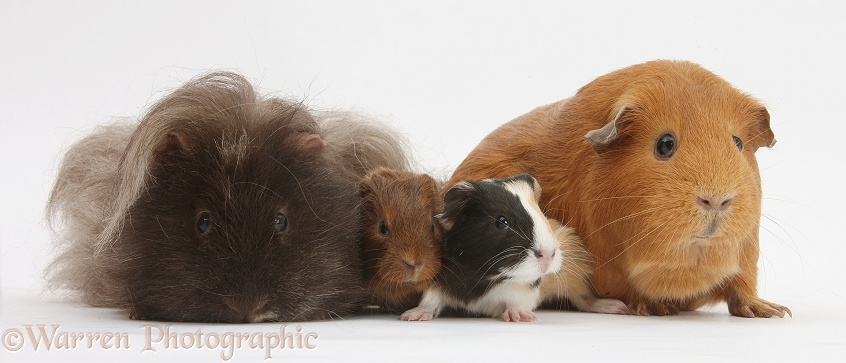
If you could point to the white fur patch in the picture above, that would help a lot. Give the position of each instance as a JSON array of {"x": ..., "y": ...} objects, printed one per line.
[{"x": 530, "y": 269}]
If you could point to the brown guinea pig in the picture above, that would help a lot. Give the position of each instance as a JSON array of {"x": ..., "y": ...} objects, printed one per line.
[
  {"x": 401, "y": 240},
  {"x": 219, "y": 205},
  {"x": 654, "y": 166}
]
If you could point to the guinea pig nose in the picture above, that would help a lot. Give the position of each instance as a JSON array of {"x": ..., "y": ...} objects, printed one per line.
[
  {"x": 709, "y": 203},
  {"x": 411, "y": 265},
  {"x": 542, "y": 254},
  {"x": 245, "y": 312}
]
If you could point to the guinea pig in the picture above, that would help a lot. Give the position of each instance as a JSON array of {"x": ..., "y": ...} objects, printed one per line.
[
  {"x": 400, "y": 238},
  {"x": 654, "y": 166},
  {"x": 220, "y": 205},
  {"x": 497, "y": 246}
]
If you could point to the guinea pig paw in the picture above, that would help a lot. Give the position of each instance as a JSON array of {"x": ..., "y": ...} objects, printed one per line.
[
  {"x": 758, "y": 308},
  {"x": 609, "y": 306},
  {"x": 647, "y": 308},
  {"x": 418, "y": 314},
  {"x": 516, "y": 315}
]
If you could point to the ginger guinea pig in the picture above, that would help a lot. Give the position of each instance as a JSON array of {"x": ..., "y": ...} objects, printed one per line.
[
  {"x": 400, "y": 238},
  {"x": 654, "y": 166},
  {"x": 218, "y": 206}
]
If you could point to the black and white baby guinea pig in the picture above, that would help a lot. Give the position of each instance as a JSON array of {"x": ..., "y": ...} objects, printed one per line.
[{"x": 497, "y": 246}]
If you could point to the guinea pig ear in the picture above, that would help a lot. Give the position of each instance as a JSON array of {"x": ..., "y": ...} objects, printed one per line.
[
  {"x": 604, "y": 136},
  {"x": 307, "y": 144},
  {"x": 531, "y": 181},
  {"x": 175, "y": 142},
  {"x": 762, "y": 135},
  {"x": 455, "y": 200}
]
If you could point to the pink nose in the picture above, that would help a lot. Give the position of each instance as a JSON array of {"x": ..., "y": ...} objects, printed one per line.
[{"x": 709, "y": 203}]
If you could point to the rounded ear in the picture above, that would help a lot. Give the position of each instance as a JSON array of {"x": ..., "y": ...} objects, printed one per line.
[
  {"x": 175, "y": 142},
  {"x": 373, "y": 179},
  {"x": 455, "y": 200},
  {"x": 602, "y": 138},
  {"x": 307, "y": 144},
  {"x": 761, "y": 133},
  {"x": 528, "y": 179}
]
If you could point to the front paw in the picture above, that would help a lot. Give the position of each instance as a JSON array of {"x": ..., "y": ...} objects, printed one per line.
[
  {"x": 756, "y": 307},
  {"x": 516, "y": 315},
  {"x": 647, "y": 308},
  {"x": 418, "y": 314}
]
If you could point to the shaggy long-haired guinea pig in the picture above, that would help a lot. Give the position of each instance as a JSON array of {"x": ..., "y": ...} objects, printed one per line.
[
  {"x": 218, "y": 206},
  {"x": 497, "y": 246},
  {"x": 401, "y": 240},
  {"x": 654, "y": 166}
]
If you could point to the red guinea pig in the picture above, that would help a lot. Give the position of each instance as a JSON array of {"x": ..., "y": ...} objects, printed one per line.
[{"x": 654, "y": 166}]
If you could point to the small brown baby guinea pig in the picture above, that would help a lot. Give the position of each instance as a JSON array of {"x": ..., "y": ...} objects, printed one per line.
[
  {"x": 220, "y": 205},
  {"x": 654, "y": 166},
  {"x": 401, "y": 240}
]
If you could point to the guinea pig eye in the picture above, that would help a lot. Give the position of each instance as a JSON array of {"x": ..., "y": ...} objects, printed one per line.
[
  {"x": 204, "y": 223},
  {"x": 665, "y": 147},
  {"x": 501, "y": 223},
  {"x": 738, "y": 142},
  {"x": 383, "y": 229},
  {"x": 280, "y": 222}
]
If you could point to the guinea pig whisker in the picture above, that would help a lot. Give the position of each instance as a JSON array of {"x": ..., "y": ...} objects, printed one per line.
[
  {"x": 615, "y": 198},
  {"x": 644, "y": 235},
  {"x": 444, "y": 267},
  {"x": 499, "y": 257},
  {"x": 491, "y": 281},
  {"x": 518, "y": 232},
  {"x": 630, "y": 216},
  {"x": 161, "y": 227},
  {"x": 778, "y": 223}
]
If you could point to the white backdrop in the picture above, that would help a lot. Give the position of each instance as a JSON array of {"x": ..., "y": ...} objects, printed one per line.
[{"x": 445, "y": 73}]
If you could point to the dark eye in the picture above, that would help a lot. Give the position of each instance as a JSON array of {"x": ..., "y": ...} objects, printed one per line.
[
  {"x": 204, "y": 223},
  {"x": 383, "y": 229},
  {"x": 501, "y": 223},
  {"x": 738, "y": 142},
  {"x": 280, "y": 222},
  {"x": 665, "y": 147}
]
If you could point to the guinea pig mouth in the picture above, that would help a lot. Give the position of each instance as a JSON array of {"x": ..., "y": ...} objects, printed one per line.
[{"x": 710, "y": 230}]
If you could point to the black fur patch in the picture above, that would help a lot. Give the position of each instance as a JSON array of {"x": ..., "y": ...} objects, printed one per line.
[{"x": 475, "y": 250}]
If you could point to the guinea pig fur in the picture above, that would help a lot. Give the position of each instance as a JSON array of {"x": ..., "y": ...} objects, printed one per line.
[
  {"x": 218, "y": 206},
  {"x": 497, "y": 246},
  {"x": 362, "y": 144},
  {"x": 654, "y": 166},
  {"x": 401, "y": 240},
  {"x": 571, "y": 286}
]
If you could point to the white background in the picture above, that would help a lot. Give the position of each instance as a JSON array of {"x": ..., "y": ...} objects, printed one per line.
[{"x": 445, "y": 74}]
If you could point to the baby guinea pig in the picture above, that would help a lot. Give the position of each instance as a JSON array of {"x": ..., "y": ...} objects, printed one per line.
[
  {"x": 400, "y": 238},
  {"x": 497, "y": 246},
  {"x": 218, "y": 206},
  {"x": 654, "y": 166}
]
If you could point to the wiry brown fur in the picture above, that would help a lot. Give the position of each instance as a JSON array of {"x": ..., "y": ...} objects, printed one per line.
[
  {"x": 401, "y": 265},
  {"x": 639, "y": 215},
  {"x": 128, "y": 200}
]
